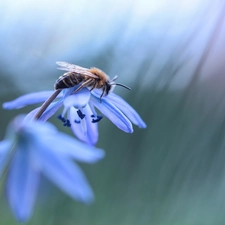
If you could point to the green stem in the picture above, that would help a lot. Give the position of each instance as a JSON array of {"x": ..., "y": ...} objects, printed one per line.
[{"x": 8, "y": 161}]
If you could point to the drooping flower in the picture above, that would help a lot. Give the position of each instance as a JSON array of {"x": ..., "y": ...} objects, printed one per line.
[
  {"x": 79, "y": 111},
  {"x": 32, "y": 148}
]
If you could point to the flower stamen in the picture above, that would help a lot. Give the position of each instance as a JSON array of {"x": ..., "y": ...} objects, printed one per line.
[
  {"x": 80, "y": 114},
  {"x": 65, "y": 121},
  {"x": 98, "y": 118},
  {"x": 61, "y": 118}
]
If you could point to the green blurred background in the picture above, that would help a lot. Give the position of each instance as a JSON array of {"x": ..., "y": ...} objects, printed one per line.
[{"x": 172, "y": 55}]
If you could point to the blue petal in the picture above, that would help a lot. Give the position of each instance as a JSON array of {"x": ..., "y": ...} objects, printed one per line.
[
  {"x": 91, "y": 136},
  {"x": 51, "y": 110},
  {"x": 28, "y": 99},
  {"x": 126, "y": 109},
  {"x": 78, "y": 100},
  {"x": 113, "y": 113},
  {"x": 30, "y": 116},
  {"x": 68, "y": 91},
  {"x": 66, "y": 175},
  {"x": 4, "y": 155},
  {"x": 4, "y": 147},
  {"x": 22, "y": 185},
  {"x": 67, "y": 147},
  {"x": 36, "y": 129},
  {"x": 32, "y": 129}
]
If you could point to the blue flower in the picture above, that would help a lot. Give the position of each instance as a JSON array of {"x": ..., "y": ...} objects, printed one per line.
[
  {"x": 34, "y": 148},
  {"x": 79, "y": 111}
]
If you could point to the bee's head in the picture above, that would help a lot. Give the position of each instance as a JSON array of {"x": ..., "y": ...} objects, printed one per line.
[{"x": 108, "y": 87}]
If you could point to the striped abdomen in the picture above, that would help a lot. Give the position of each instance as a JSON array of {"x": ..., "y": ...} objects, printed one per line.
[{"x": 69, "y": 79}]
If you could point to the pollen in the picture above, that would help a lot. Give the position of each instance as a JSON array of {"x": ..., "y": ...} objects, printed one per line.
[
  {"x": 80, "y": 114},
  {"x": 98, "y": 118},
  {"x": 65, "y": 121}
]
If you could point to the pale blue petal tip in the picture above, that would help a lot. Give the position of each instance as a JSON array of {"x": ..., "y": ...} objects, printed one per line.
[
  {"x": 143, "y": 125},
  {"x": 113, "y": 113},
  {"x": 10, "y": 105},
  {"x": 128, "y": 110},
  {"x": 27, "y": 99}
]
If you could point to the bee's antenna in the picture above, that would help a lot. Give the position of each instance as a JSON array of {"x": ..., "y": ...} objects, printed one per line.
[
  {"x": 118, "y": 84},
  {"x": 114, "y": 78},
  {"x": 122, "y": 85}
]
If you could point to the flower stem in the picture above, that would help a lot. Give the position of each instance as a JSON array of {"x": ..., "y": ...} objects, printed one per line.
[
  {"x": 46, "y": 104},
  {"x": 7, "y": 162}
]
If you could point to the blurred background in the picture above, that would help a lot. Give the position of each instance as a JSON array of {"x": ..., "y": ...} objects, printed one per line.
[{"x": 172, "y": 55}]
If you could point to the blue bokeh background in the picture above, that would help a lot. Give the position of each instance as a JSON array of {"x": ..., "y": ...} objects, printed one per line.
[{"x": 171, "y": 53}]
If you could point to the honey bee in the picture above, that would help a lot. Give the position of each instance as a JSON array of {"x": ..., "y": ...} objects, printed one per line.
[{"x": 92, "y": 78}]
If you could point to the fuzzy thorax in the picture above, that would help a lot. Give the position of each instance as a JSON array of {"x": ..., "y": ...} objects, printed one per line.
[{"x": 103, "y": 78}]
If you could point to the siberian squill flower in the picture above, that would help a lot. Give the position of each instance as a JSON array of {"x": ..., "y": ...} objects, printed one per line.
[
  {"x": 79, "y": 110},
  {"x": 34, "y": 148}
]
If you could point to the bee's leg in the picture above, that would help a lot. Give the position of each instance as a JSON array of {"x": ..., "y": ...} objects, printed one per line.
[
  {"x": 94, "y": 85},
  {"x": 86, "y": 83},
  {"x": 103, "y": 91}
]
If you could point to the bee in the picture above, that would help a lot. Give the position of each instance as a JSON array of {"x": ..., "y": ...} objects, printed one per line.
[{"x": 92, "y": 78}]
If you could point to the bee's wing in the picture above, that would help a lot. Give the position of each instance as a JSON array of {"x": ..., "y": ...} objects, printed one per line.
[
  {"x": 74, "y": 68},
  {"x": 69, "y": 67}
]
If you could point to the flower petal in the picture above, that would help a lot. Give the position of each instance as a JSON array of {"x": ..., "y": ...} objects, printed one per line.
[
  {"x": 113, "y": 113},
  {"x": 28, "y": 99},
  {"x": 67, "y": 147},
  {"x": 4, "y": 147},
  {"x": 32, "y": 129},
  {"x": 51, "y": 110},
  {"x": 61, "y": 143},
  {"x": 66, "y": 175},
  {"x": 22, "y": 185},
  {"x": 4, "y": 155},
  {"x": 126, "y": 109},
  {"x": 30, "y": 116},
  {"x": 78, "y": 100},
  {"x": 91, "y": 136}
]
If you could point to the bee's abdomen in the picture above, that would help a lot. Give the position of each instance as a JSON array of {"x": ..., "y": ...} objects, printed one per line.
[{"x": 68, "y": 80}]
